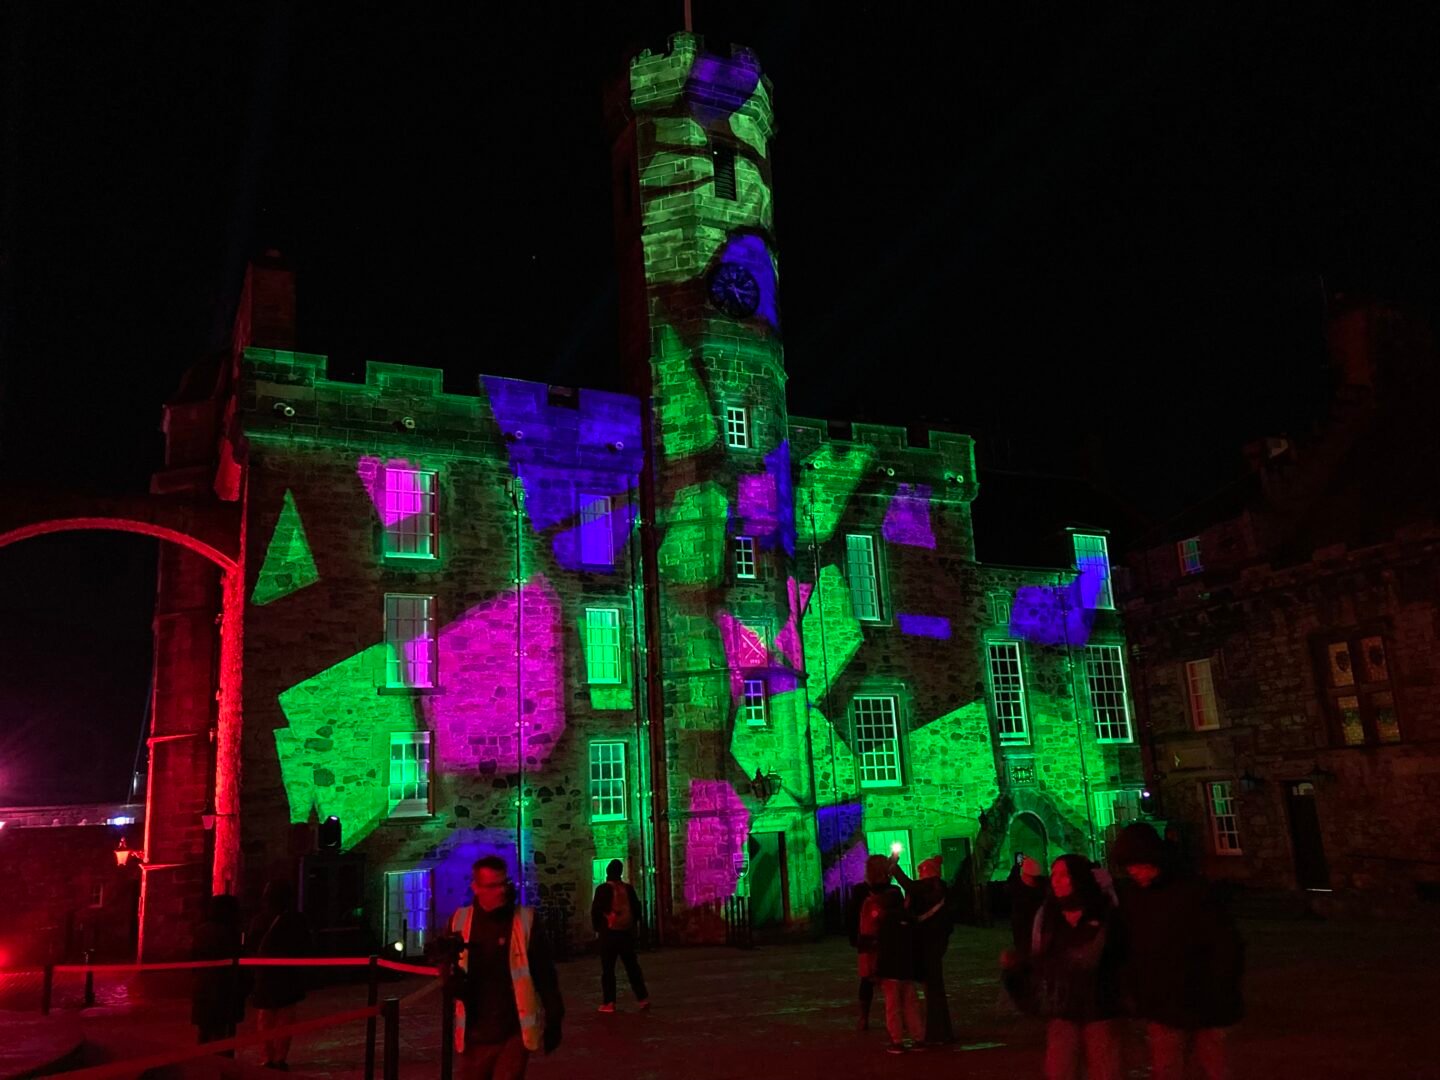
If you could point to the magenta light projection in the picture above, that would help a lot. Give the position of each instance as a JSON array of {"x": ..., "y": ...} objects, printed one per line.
[
  {"x": 371, "y": 471},
  {"x": 474, "y": 719},
  {"x": 931, "y": 626},
  {"x": 766, "y": 500},
  {"x": 907, "y": 518},
  {"x": 744, "y": 651},
  {"x": 715, "y": 838},
  {"x": 787, "y": 641},
  {"x": 1056, "y": 614}
]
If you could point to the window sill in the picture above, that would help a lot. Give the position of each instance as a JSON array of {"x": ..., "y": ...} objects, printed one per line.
[
  {"x": 409, "y": 817},
  {"x": 608, "y": 820},
  {"x": 409, "y": 691},
  {"x": 1014, "y": 744},
  {"x": 395, "y": 557}
]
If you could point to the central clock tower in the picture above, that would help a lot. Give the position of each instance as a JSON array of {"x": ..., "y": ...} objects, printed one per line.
[{"x": 701, "y": 341}]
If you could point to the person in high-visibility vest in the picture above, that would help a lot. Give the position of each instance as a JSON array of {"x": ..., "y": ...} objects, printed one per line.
[{"x": 508, "y": 1002}]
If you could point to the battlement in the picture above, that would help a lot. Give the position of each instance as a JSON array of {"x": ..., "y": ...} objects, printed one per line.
[
  {"x": 947, "y": 462},
  {"x": 709, "y": 82}
]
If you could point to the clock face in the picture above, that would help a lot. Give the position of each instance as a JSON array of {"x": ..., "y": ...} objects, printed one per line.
[{"x": 733, "y": 290}]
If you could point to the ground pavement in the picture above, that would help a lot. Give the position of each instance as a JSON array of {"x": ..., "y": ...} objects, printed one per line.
[{"x": 1325, "y": 999}]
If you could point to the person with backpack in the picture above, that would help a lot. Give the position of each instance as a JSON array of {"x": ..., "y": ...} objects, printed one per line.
[{"x": 615, "y": 913}]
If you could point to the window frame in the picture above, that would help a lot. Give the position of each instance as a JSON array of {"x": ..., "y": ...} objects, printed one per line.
[
  {"x": 427, "y": 875},
  {"x": 1362, "y": 691},
  {"x": 1008, "y": 738},
  {"x": 1217, "y": 820},
  {"x": 592, "y": 651},
  {"x": 1105, "y": 601},
  {"x": 618, "y": 781},
  {"x": 397, "y": 665},
  {"x": 751, "y": 714},
  {"x": 1187, "y": 551},
  {"x": 1196, "y": 699},
  {"x": 393, "y": 537},
  {"x": 745, "y": 551},
  {"x": 737, "y": 426},
  {"x": 1093, "y": 652},
  {"x": 415, "y": 806},
  {"x": 585, "y": 512},
  {"x": 882, "y": 782},
  {"x": 723, "y": 164},
  {"x": 874, "y": 566}
]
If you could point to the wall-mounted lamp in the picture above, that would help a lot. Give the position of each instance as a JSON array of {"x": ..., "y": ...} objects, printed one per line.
[
  {"x": 515, "y": 436},
  {"x": 763, "y": 787},
  {"x": 284, "y": 408},
  {"x": 123, "y": 854},
  {"x": 405, "y": 423}
]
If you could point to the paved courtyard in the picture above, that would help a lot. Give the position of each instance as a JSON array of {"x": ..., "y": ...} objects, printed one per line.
[{"x": 1326, "y": 1000}]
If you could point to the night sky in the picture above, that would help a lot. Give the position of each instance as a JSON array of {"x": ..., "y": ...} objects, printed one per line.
[{"x": 1095, "y": 241}]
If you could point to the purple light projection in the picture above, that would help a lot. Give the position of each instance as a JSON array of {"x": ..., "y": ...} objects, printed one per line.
[
  {"x": 907, "y": 518},
  {"x": 714, "y": 841},
  {"x": 931, "y": 626},
  {"x": 1056, "y": 614},
  {"x": 572, "y": 545},
  {"x": 457, "y": 853},
  {"x": 766, "y": 502},
  {"x": 474, "y": 720},
  {"x": 371, "y": 471},
  {"x": 749, "y": 251},
  {"x": 788, "y": 640},
  {"x": 718, "y": 85},
  {"x": 842, "y": 845},
  {"x": 777, "y": 464}
]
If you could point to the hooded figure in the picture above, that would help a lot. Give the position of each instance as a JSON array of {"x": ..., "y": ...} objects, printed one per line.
[{"x": 863, "y": 918}]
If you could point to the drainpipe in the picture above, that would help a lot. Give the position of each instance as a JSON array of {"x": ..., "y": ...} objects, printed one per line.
[{"x": 517, "y": 499}]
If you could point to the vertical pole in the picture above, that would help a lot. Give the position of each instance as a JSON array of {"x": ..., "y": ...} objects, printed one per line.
[
  {"x": 47, "y": 986},
  {"x": 447, "y": 1034},
  {"x": 89, "y": 979},
  {"x": 391, "y": 1012},
  {"x": 372, "y": 994}
]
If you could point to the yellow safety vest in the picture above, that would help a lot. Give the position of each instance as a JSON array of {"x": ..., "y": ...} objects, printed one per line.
[{"x": 527, "y": 1001}]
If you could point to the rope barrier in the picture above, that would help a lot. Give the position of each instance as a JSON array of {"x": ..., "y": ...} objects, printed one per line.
[
  {"x": 245, "y": 961},
  {"x": 136, "y": 1066}
]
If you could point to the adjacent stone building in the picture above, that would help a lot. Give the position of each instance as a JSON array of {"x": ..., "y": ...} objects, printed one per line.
[{"x": 1284, "y": 644}]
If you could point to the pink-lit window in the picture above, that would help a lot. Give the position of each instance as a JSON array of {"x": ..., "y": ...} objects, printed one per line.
[
  {"x": 1224, "y": 822},
  {"x": 1199, "y": 682},
  {"x": 410, "y": 636},
  {"x": 1188, "y": 552},
  {"x": 410, "y": 513}
]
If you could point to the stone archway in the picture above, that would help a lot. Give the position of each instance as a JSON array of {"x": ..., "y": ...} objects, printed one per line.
[
  {"x": 1026, "y": 834},
  {"x": 194, "y": 775}
]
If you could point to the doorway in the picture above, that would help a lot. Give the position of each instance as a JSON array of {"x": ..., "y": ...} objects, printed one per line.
[
  {"x": 1312, "y": 870},
  {"x": 769, "y": 880},
  {"x": 1025, "y": 837}
]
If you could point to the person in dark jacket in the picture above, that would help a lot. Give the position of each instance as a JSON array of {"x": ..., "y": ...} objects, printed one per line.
[
  {"x": 864, "y": 932},
  {"x": 1069, "y": 974},
  {"x": 217, "y": 1000},
  {"x": 890, "y": 922},
  {"x": 929, "y": 904},
  {"x": 1185, "y": 958},
  {"x": 615, "y": 913},
  {"x": 278, "y": 931},
  {"x": 1025, "y": 890}
]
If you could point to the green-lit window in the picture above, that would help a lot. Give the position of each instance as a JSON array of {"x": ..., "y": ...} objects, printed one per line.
[
  {"x": 877, "y": 741},
  {"x": 745, "y": 558},
  {"x": 1189, "y": 554},
  {"x": 864, "y": 574},
  {"x": 1224, "y": 821},
  {"x": 1093, "y": 553},
  {"x": 752, "y": 703},
  {"x": 607, "y": 781},
  {"x": 409, "y": 773},
  {"x": 410, "y": 513},
  {"x": 602, "y": 646},
  {"x": 737, "y": 427},
  {"x": 412, "y": 656},
  {"x": 1000, "y": 608},
  {"x": 1105, "y": 679},
  {"x": 1007, "y": 689},
  {"x": 723, "y": 158},
  {"x": 407, "y": 912}
]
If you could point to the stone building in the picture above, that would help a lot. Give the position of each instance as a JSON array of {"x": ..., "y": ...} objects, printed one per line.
[{"x": 1284, "y": 645}]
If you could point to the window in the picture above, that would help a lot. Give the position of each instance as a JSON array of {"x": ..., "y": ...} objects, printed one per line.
[
  {"x": 1204, "y": 713},
  {"x": 1105, "y": 679},
  {"x": 97, "y": 894},
  {"x": 409, "y": 513},
  {"x": 1007, "y": 687},
  {"x": 724, "y": 160},
  {"x": 410, "y": 634},
  {"x": 1118, "y": 808},
  {"x": 864, "y": 576},
  {"x": 1093, "y": 554},
  {"x": 602, "y": 646},
  {"x": 752, "y": 704},
  {"x": 409, "y": 773},
  {"x": 1189, "y": 553},
  {"x": 877, "y": 741},
  {"x": 1000, "y": 608},
  {"x": 407, "y": 911},
  {"x": 1357, "y": 685},
  {"x": 885, "y": 841},
  {"x": 745, "y": 558},
  {"x": 737, "y": 427},
  {"x": 1224, "y": 826},
  {"x": 607, "y": 781},
  {"x": 597, "y": 545}
]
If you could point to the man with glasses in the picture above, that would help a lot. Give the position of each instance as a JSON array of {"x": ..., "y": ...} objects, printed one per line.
[{"x": 508, "y": 1002}]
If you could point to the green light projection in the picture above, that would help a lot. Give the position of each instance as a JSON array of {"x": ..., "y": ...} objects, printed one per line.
[
  {"x": 827, "y": 480},
  {"x": 693, "y": 551},
  {"x": 685, "y": 417},
  {"x": 830, "y": 647},
  {"x": 289, "y": 565}
]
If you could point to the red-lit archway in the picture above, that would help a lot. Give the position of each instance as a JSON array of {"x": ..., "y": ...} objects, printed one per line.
[{"x": 181, "y": 753}]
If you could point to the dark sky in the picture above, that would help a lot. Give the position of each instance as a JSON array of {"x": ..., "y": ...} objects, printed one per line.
[{"x": 1096, "y": 236}]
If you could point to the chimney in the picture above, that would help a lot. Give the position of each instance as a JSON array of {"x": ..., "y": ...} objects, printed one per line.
[{"x": 266, "y": 318}]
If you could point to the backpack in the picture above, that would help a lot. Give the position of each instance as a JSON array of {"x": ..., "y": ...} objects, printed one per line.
[{"x": 621, "y": 915}]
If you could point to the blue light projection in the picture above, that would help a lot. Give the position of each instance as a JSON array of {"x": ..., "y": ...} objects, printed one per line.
[
  {"x": 1057, "y": 614},
  {"x": 750, "y": 251},
  {"x": 931, "y": 626},
  {"x": 842, "y": 844}
]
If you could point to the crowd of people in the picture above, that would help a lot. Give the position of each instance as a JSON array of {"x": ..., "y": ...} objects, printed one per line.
[{"x": 1086, "y": 952}]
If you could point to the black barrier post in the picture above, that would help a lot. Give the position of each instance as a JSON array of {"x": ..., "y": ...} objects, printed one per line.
[
  {"x": 447, "y": 1034},
  {"x": 47, "y": 985},
  {"x": 372, "y": 995},
  {"x": 391, "y": 1012},
  {"x": 89, "y": 979}
]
